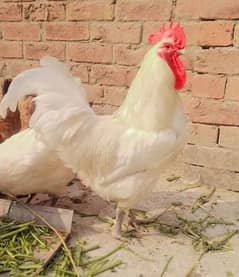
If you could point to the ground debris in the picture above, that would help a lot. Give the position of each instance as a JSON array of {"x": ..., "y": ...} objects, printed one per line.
[
  {"x": 166, "y": 266},
  {"x": 88, "y": 266},
  {"x": 188, "y": 187},
  {"x": 196, "y": 229},
  {"x": 20, "y": 241},
  {"x": 18, "y": 244},
  {"x": 203, "y": 199},
  {"x": 215, "y": 244},
  {"x": 173, "y": 178}
]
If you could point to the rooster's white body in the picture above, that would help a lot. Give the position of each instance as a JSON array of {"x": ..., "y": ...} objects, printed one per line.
[{"x": 119, "y": 156}]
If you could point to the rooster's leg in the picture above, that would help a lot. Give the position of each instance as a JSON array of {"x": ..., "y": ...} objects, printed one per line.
[{"x": 116, "y": 232}]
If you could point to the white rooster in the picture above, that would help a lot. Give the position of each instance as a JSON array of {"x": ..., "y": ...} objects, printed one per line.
[
  {"x": 119, "y": 156},
  {"x": 28, "y": 166}
]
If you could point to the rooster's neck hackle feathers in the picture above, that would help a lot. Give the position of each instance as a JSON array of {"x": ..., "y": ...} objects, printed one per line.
[{"x": 151, "y": 98}]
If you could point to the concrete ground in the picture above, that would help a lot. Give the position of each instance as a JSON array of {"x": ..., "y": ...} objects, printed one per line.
[{"x": 154, "y": 249}]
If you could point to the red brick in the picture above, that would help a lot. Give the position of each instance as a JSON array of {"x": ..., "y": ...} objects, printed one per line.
[
  {"x": 213, "y": 112},
  {"x": 191, "y": 29},
  {"x": 215, "y": 33},
  {"x": 221, "y": 178},
  {"x": 213, "y": 157},
  {"x": 3, "y": 69},
  {"x": 228, "y": 9},
  {"x": 232, "y": 88},
  {"x": 143, "y": 10},
  {"x": 112, "y": 75},
  {"x": 208, "y": 86},
  {"x": 17, "y": 66},
  {"x": 190, "y": 103},
  {"x": 10, "y": 12},
  {"x": 92, "y": 53},
  {"x": 129, "y": 55},
  {"x": 209, "y": 33},
  {"x": 26, "y": 108},
  {"x": 55, "y": 11},
  {"x": 20, "y": 1},
  {"x": 117, "y": 32},
  {"x": 217, "y": 61},
  {"x": 21, "y": 31},
  {"x": 189, "y": 56},
  {"x": 10, "y": 49},
  {"x": 219, "y": 9},
  {"x": 229, "y": 137},
  {"x": 104, "y": 109},
  {"x": 81, "y": 71},
  {"x": 95, "y": 93},
  {"x": 203, "y": 134},
  {"x": 66, "y": 31},
  {"x": 36, "y": 51},
  {"x": 10, "y": 125},
  {"x": 236, "y": 35},
  {"x": 187, "y": 9},
  {"x": 1, "y": 84},
  {"x": 90, "y": 10},
  {"x": 44, "y": 11},
  {"x": 114, "y": 95},
  {"x": 35, "y": 12}
]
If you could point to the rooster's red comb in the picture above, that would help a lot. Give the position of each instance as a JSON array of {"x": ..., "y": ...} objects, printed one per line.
[{"x": 176, "y": 32}]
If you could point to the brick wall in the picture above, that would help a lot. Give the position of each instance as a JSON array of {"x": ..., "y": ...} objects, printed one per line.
[{"x": 104, "y": 41}]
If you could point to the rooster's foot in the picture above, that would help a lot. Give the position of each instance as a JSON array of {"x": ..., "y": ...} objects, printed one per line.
[
  {"x": 116, "y": 232},
  {"x": 134, "y": 221}
]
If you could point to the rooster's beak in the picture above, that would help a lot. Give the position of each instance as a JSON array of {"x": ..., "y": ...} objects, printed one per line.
[{"x": 181, "y": 52}]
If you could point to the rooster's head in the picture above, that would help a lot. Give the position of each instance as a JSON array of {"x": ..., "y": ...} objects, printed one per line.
[{"x": 169, "y": 43}]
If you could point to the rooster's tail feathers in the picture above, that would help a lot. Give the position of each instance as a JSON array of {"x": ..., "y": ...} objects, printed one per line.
[
  {"x": 52, "y": 82},
  {"x": 54, "y": 64}
]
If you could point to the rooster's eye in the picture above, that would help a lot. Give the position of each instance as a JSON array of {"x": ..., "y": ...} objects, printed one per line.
[{"x": 167, "y": 46}]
